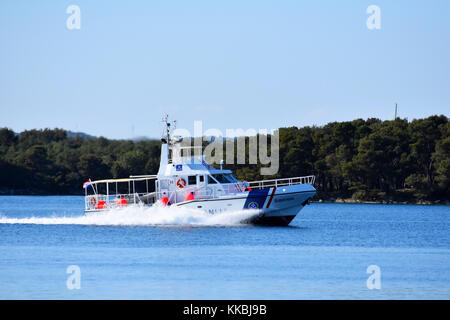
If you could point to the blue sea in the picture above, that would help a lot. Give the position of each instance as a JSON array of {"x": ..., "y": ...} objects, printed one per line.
[{"x": 170, "y": 253}]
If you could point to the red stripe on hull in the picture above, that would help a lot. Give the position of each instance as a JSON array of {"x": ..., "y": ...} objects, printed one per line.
[{"x": 271, "y": 196}]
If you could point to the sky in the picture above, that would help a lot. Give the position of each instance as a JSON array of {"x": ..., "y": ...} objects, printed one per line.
[{"x": 231, "y": 64}]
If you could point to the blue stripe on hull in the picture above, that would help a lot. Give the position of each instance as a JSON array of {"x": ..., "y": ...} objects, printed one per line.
[{"x": 256, "y": 199}]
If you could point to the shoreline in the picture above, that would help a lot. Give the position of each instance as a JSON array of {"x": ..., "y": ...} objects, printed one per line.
[
  {"x": 330, "y": 200},
  {"x": 353, "y": 201}
]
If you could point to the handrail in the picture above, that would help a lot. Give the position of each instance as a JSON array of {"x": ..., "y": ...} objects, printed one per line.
[
  {"x": 121, "y": 180},
  {"x": 282, "y": 182}
]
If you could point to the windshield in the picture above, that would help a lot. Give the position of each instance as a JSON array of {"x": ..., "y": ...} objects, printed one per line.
[
  {"x": 225, "y": 178},
  {"x": 231, "y": 178}
]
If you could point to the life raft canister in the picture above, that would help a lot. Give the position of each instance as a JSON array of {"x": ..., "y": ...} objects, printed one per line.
[
  {"x": 189, "y": 196},
  {"x": 121, "y": 202},
  {"x": 101, "y": 204},
  {"x": 181, "y": 183},
  {"x": 164, "y": 201}
]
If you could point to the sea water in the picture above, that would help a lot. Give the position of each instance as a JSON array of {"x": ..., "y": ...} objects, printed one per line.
[{"x": 329, "y": 251}]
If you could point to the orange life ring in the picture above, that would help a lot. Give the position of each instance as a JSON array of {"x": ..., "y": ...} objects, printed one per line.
[
  {"x": 93, "y": 202},
  {"x": 181, "y": 183}
]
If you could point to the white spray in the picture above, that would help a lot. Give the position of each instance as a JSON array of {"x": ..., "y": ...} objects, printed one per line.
[{"x": 143, "y": 216}]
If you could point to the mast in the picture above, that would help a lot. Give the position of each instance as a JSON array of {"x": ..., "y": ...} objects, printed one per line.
[
  {"x": 166, "y": 130},
  {"x": 168, "y": 127},
  {"x": 164, "y": 161},
  {"x": 167, "y": 143}
]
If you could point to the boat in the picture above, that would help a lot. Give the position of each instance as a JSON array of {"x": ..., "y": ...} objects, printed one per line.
[{"x": 189, "y": 181}]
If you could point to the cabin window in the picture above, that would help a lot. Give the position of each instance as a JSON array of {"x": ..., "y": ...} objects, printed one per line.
[
  {"x": 211, "y": 180},
  {"x": 220, "y": 178},
  {"x": 230, "y": 178},
  {"x": 202, "y": 178},
  {"x": 192, "y": 180}
]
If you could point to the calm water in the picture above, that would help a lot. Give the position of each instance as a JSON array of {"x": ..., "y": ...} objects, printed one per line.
[{"x": 174, "y": 254}]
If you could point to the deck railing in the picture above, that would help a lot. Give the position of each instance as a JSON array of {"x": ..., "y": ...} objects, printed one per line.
[
  {"x": 281, "y": 182},
  {"x": 108, "y": 201}
]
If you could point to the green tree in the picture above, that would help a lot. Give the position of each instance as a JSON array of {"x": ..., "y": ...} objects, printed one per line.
[
  {"x": 442, "y": 164},
  {"x": 424, "y": 135},
  {"x": 92, "y": 166}
]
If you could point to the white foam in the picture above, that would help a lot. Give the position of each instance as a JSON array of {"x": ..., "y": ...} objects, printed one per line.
[{"x": 143, "y": 216}]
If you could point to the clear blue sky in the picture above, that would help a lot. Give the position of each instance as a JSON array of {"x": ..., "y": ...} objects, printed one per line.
[{"x": 232, "y": 64}]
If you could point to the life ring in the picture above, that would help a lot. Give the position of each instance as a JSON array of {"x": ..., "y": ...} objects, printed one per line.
[
  {"x": 93, "y": 201},
  {"x": 181, "y": 183}
]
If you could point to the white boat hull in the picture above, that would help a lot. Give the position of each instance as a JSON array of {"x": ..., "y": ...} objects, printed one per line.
[{"x": 277, "y": 206}]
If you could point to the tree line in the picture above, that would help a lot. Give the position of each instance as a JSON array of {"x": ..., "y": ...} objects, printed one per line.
[{"x": 368, "y": 160}]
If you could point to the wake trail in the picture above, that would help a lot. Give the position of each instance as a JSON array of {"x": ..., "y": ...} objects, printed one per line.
[{"x": 143, "y": 216}]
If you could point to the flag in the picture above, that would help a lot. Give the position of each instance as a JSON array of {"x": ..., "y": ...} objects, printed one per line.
[{"x": 87, "y": 183}]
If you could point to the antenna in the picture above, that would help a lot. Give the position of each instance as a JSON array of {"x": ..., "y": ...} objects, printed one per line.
[
  {"x": 395, "y": 118},
  {"x": 166, "y": 131},
  {"x": 169, "y": 127}
]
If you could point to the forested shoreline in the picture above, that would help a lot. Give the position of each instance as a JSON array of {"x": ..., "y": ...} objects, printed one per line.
[{"x": 361, "y": 160}]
